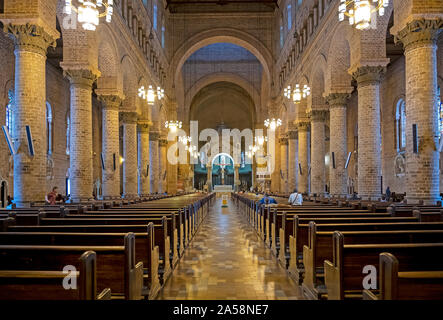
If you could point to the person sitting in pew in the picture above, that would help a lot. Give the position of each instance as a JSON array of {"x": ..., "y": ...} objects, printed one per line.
[
  {"x": 295, "y": 199},
  {"x": 52, "y": 196},
  {"x": 267, "y": 200}
]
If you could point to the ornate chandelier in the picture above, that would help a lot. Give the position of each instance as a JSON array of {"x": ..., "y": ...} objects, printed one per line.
[
  {"x": 272, "y": 124},
  {"x": 173, "y": 125},
  {"x": 149, "y": 95},
  {"x": 297, "y": 94},
  {"x": 89, "y": 12},
  {"x": 359, "y": 12},
  {"x": 260, "y": 140},
  {"x": 185, "y": 140}
]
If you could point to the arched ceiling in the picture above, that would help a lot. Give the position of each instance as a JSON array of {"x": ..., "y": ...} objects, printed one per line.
[{"x": 222, "y": 102}]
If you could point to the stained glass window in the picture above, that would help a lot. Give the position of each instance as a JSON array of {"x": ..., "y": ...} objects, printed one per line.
[
  {"x": 9, "y": 106},
  {"x": 401, "y": 125},
  {"x": 49, "y": 131},
  {"x": 440, "y": 112}
]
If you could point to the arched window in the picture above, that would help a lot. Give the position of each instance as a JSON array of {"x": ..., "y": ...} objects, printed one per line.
[
  {"x": 49, "y": 128},
  {"x": 289, "y": 13},
  {"x": 154, "y": 15},
  {"x": 9, "y": 106},
  {"x": 242, "y": 159},
  {"x": 163, "y": 32},
  {"x": 68, "y": 134},
  {"x": 400, "y": 121},
  {"x": 282, "y": 33}
]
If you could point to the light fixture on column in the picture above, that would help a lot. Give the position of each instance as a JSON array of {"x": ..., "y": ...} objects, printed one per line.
[
  {"x": 173, "y": 125},
  {"x": 149, "y": 95},
  {"x": 89, "y": 12},
  {"x": 359, "y": 12},
  {"x": 273, "y": 123},
  {"x": 306, "y": 91},
  {"x": 296, "y": 95},
  {"x": 288, "y": 92}
]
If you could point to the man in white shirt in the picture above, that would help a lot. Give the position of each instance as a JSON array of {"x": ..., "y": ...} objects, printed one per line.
[{"x": 295, "y": 199}]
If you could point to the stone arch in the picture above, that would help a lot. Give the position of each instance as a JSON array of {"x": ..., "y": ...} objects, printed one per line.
[
  {"x": 212, "y": 158},
  {"x": 317, "y": 82},
  {"x": 217, "y": 35},
  {"x": 108, "y": 65},
  {"x": 338, "y": 78},
  {"x": 130, "y": 80},
  {"x": 221, "y": 77}
]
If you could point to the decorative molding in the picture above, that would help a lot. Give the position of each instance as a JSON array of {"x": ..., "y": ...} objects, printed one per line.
[
  {"x": 80, "y": 77},
  {"x": 419, "y": 32},
  {"x": 337, "y": 99},
  {"x": 366, "y": 75},
  {"x": 303, "y": 125},
  {"x": 129, "y": 117},
  {"x": 318, "y": 115},
  {"x": 30, "y": 37},
  {"x": 110, "y": 101}
]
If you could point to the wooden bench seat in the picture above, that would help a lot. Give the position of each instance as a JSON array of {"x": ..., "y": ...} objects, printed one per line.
[
  {"x": 343, "y": 275},
  {"x": 319, "y": 249},
  {"x": 419, "y": 284},
  {"x": 116, "y": 265},
  {"x": 47, "y": 284}
]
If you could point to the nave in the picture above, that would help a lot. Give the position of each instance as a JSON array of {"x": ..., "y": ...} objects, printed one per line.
[{"x": 228, "y": 261}]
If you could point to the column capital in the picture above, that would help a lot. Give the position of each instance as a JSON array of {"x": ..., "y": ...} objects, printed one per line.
[
  {"x": 337, "y": 99},
  {"x": 303, "y": 125},
  {"x": 109, "y": 101},
  {"x": 292, "y": 135},
  {"x": 369, "y": 74},
  {"x": 143, "y": 126},
  {"x": 154, "y": 135},
  {"x": 30, "y": 37},
  {"x": 84, "y": 77},
  {"x": 283, "y": 140},
  {"x": 163, "y": 142},
  {"x": 318, "y": 115},
  {"x": 419, "y": 32},
  {"x": 129, "y": 117}
]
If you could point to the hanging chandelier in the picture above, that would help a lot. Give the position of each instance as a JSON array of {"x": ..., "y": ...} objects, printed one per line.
[
  {"x": 173, "y": 125},
  {"x": 150, "y": 95},
  {"x": 273, "y": 124},
  {"x": 359, "y": 12},
  {"x": 89, "y": 12},
  {"x": 297, "y": 94}
]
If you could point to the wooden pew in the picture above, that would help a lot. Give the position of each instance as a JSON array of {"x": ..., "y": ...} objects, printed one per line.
[
  {"x": 343, "y": 275},
  {"x": 299, "y": 237},
  {"x": 423, "y": 283},
  {"x": 145, "y": 249},
  {"x": 116, "y": 265},
  {"x": 161, "y": 236},
  {"x": 319, "y": 249},
  {"x": 46, "y": 284}
]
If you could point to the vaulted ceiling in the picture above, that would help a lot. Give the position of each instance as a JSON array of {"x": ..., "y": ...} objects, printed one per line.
[{"x": 216, "y": 6}]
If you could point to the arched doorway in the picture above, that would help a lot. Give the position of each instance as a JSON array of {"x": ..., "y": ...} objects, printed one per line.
[
  {"x": 3, "y": 194},
  {"x": 223, "y": 170}
]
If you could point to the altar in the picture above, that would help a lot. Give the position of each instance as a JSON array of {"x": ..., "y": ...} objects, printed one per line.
[{"x": 223, "y": 188}]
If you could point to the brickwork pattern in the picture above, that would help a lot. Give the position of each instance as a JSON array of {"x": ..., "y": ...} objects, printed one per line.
[
  {"x": 303, "y": 157},
  {"x": 163, "y": 145},
  {"x": 292, "y": 160},
  {"x": 153, "y": 162},
  {"x": 143, "y": 158},
  {"x": 130, "y": 179},
  {"x": 284, "y": 165},
  {"x": 369, "y": 135},
  {"x": 337, "y": 118},
  {"x": 318, "y": 179}
]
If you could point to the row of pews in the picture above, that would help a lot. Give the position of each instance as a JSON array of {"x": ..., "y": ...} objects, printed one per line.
[
  {"x": 337, "y": 249},
  {"x": 96, "y": 251}
]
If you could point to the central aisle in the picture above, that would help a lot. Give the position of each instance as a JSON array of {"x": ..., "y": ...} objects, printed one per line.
[{"x": 227, "y": 260}]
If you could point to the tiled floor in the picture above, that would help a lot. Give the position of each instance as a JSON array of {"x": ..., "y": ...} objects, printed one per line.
[{"x": 227, "y": 260}]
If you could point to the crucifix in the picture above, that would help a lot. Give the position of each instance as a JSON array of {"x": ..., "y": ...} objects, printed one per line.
[{"x": 223, "y": 164}]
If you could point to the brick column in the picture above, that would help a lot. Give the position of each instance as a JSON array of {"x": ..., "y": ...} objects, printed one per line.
[
  {"x": 31, "y": 43},
  {"x": 284, "y": 165},
  {"x": 162, "y": 182},
  {"x": 80, "y": 151},
  {"x": 338, "y": 177},
  {"x": 143, "y": 157},
  {"x": 369, "y": 136},
  {"x": 236, "y": 177},
  {"x": 275, "y": 177},
  {"x": 110, "y": 146},
  {"x": 172, "y": 173},
  {"x": 422, "y": 168},
  {"x": 153, "y": 161},
  {"x": 209, "y": 177},
  {"x": 130, "y": 180},
  {"x": 318, "y": 118},
  {"x": 292, "y": 160},
  {"x": 303, "y": 156}
]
